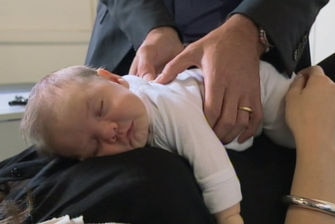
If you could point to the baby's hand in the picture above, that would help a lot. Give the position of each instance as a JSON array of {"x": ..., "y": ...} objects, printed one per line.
[{"x": 230, "y": 216}]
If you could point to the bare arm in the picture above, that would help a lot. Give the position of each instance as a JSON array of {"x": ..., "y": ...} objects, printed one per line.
[
  {"x": 230, "y": 216},
  {"x": 310, "y": 115}
]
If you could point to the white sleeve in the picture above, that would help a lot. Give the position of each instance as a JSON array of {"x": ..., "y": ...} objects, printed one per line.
[
  {"x": 274, "y": 87},
  {"x": 194, "y": 139}
]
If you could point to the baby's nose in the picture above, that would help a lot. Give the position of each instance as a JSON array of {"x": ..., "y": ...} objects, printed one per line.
[{"x": 109, "y": 132}]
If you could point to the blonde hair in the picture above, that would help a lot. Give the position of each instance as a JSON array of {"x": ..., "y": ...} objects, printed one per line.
[{"x": 43, "y": 107}]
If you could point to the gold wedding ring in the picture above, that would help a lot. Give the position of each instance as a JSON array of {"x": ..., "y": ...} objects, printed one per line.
[{"x": 247, "y": 109}]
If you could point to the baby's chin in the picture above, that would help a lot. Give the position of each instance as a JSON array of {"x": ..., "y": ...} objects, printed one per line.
[{"x": 140, "y": 140}]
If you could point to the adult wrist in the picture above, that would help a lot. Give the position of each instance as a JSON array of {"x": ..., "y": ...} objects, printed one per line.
[
  {"x": 247, "y": 28},
  {"x": 259, "y": 34},
  {"x": 164, "y": 31},
  {"x": 312, "y": 204},
  {"x": 264, "y": 40}
]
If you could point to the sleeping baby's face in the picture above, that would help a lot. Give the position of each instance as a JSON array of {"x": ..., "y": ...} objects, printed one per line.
[{"x": 103, "y": 119}]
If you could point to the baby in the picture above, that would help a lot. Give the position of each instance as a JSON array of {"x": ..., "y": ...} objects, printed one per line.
[{"x": 81, "y": 112}]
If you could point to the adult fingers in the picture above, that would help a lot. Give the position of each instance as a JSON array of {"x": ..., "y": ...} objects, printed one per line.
[
  {"x": 133, "y": 66},
  {"x": 143, "y": 67},
  {"x": 229, "y": 131},
  {"x": 146, "y": 70},
  {"x": 237, "y": 121},
  {"x": 298, "y": 84},
  {"x": 317, "y": 75},
  {"x": 213, "y": 100},
  {"x": 221, "y": 111},
  {"x": 255, "y": 119},
  {"x": 177, "y": 65}
]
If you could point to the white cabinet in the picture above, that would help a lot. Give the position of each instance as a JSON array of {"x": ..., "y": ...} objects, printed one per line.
[
  {"x": 11, "y": 141},
  {"x": 37, "y": 37}
]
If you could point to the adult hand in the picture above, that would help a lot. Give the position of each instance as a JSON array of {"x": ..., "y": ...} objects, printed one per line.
[
  {"x": 310, "y": 113},
  {"x": 160, "y": 46},
  {"x": 229, "y": 59},
  {"x": 310, "y": 106}
]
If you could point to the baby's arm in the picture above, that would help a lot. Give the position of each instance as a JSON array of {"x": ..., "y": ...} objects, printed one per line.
[
  {"x": 184, "y": 128},
  {"x": 274, "y": 87},
  {"x": 211, "y": 165},
  {"x": 229, "y": 216}
]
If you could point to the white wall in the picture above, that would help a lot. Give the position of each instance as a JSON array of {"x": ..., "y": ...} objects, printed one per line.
[
  {"x": 322, "y": 37},
  {"x": 40, "y": 36}
]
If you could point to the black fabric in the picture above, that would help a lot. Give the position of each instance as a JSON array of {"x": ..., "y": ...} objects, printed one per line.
[
  {"x": 197, "y": 18},
  {"x": 149, "y": 186},
  {"x": 328, "y": 66},
  {"x": 141, "y": 186},
  {"x": 23, "y": 166},
  {"x": 265, "y": 171},
  {"x": 124, "y": 66}
]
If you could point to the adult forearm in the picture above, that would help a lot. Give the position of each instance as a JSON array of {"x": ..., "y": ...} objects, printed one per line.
[{"x": 313, "y": 179}]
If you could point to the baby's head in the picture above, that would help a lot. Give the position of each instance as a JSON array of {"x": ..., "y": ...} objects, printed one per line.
[{"x": 82, "y": 112}]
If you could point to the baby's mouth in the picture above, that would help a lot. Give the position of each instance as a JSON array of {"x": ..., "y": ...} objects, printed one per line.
[{"x": 130, "y": 129}]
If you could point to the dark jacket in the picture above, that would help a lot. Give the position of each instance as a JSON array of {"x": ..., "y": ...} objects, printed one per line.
[{"x": 121, "y": 26}]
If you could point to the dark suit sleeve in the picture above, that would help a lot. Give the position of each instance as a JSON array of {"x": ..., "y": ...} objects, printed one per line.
[
  {"x": 137, "y": 17},
  {"x": 287, "y": 23},
  {"x": 120, "y": 28}
]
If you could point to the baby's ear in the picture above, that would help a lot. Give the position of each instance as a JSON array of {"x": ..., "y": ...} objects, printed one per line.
[
  {"x": 106, "y": 74},
  {"x": 112, "y": 77}
]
